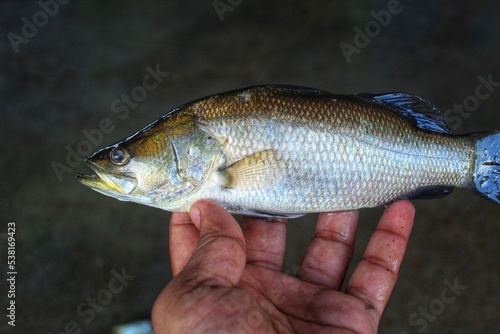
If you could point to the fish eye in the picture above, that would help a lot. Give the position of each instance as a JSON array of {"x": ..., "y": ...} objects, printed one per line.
[{"x": 119, "y": 156}]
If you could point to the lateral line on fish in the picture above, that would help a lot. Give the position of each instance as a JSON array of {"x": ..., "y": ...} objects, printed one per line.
[{"x": 397, "y": 152}]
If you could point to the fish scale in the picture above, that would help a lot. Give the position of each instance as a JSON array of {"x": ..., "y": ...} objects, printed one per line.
[
  {"x": 344, "y": 172},
  {"x": 285, "y": 151}
]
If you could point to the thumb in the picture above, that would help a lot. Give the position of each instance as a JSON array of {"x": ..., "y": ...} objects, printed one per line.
[
  {"x": 217, "y": 262},
  {"x": 220, "y": 257}
]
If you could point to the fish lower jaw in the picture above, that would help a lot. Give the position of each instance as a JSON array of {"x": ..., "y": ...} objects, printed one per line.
[{"x": 109, "y": 183}]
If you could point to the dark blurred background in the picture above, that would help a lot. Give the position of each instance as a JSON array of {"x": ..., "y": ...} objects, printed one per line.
[{"x": 67, "y": 67}]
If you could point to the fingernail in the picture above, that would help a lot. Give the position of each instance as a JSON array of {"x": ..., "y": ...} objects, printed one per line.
[{"x": 195, "y": 215}]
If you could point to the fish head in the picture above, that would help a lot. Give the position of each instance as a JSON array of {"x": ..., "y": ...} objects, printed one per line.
[{"x": 160, "y": 166}]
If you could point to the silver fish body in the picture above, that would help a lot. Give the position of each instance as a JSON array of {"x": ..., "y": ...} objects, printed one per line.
[{"x": 286, "y": 151}]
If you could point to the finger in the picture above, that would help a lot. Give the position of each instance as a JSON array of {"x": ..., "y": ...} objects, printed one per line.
[
  {"x": 376, "y": 274},
  {"x": 219, "y": 258},
  {"x": 265, "y": 241},
  {"x": 184, "y": 237},
  {"x": 330, "y": 251}
]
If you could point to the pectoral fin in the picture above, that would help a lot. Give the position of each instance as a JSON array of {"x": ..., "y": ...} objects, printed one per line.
[{"x": 254, "y": 172}]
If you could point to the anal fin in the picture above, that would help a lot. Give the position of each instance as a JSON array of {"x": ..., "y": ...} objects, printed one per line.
[
  {"x": 430, "y": 192},
  {"x": 268, "y": 215}
]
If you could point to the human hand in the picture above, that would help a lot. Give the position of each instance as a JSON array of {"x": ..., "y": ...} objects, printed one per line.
[{"x": 228, "y": 279}]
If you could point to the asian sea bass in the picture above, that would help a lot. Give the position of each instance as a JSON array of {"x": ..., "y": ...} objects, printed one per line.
[{"x": 285, "y": 151}]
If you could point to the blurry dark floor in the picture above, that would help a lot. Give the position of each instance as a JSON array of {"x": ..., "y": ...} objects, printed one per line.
[{"x": 71, "y": 73}]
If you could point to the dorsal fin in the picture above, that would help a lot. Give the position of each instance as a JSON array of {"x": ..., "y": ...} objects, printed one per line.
[{"x": 423, "y": 113}]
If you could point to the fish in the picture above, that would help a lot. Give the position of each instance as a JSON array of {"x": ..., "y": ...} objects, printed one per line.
[{"x": 285, "y": 151}]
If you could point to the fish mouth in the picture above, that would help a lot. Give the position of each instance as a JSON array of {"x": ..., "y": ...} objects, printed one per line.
[{"x": 107, "y": 182}]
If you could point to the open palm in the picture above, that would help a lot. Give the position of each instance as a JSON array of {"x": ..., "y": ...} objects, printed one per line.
[{"x": 228, "y": 279}]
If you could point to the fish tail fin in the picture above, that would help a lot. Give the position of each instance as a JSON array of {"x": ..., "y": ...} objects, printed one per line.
[{"x": 486, "y": 178}]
